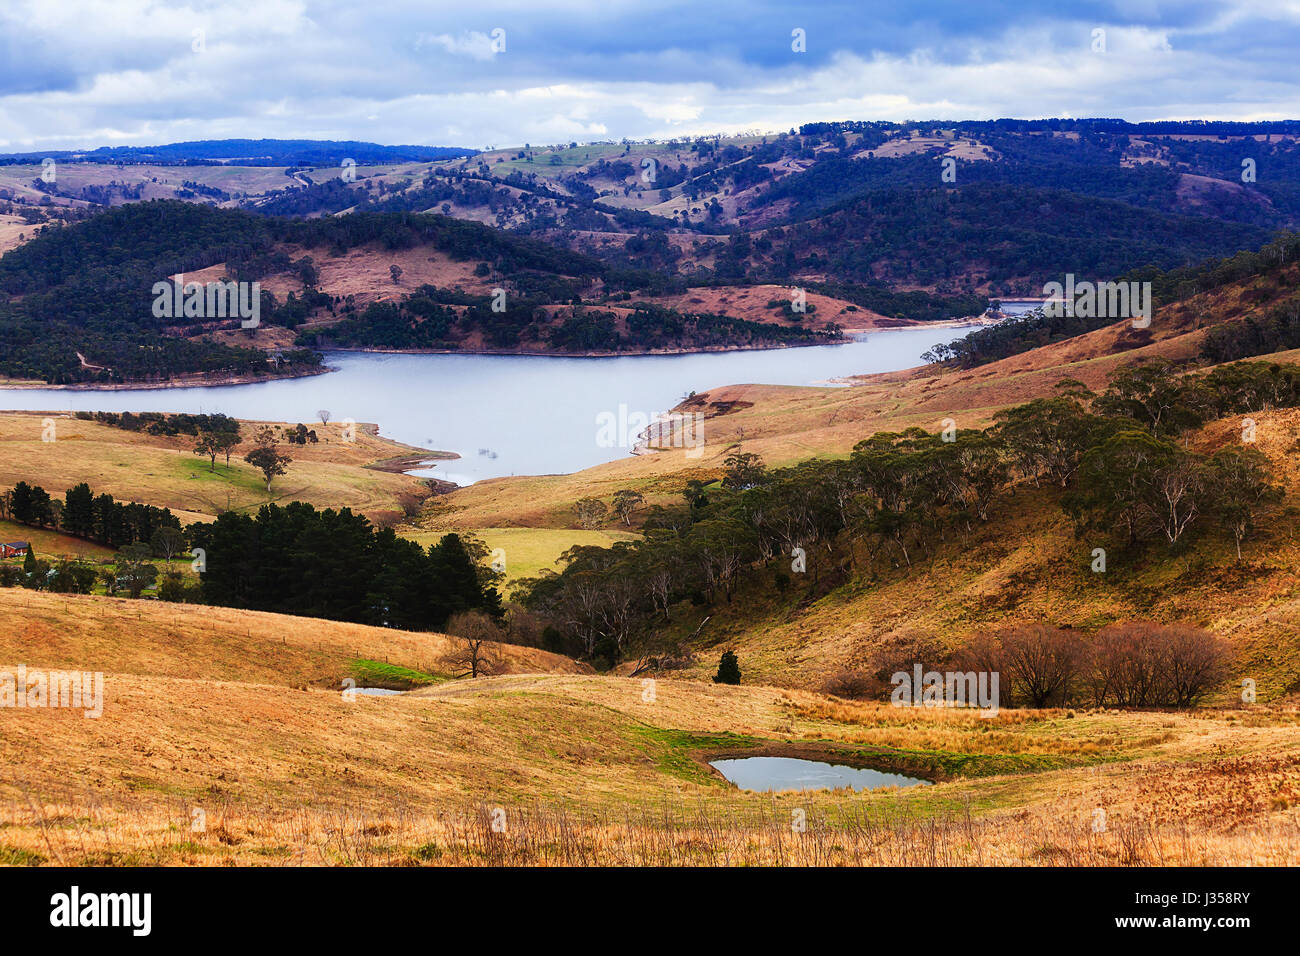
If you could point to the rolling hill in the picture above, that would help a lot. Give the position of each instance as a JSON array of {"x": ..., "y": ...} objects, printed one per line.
[
  {"x": 1026, "y": 563},
  {"x": 224, "y": 738}
]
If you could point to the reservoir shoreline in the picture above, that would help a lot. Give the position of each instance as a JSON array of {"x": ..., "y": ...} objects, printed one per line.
[
  {"x": 217, "y": 381},
  {"x": 514, "y": 414}
]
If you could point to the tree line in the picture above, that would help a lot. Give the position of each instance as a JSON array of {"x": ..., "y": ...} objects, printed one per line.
[
  {"x": 1241, "y": 338},
  {"x": 290, "y": 560},
  {"x": 1115, "y": 462},
  {"x": 160, "y": 423},
  {"x": 422, "y": 321},
  {"x": 83, "y": 514},
  {"x": 335, "y": 564}
]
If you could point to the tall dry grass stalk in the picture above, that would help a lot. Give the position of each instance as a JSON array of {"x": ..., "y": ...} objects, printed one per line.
[{"x": 86, "y": 831}]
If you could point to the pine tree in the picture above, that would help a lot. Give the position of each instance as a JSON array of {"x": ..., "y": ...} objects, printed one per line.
[{"x": 728, "y": 669}]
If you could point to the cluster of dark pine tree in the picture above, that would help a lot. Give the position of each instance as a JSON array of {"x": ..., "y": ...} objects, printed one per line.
[
  {"x": 334, "y": 564},
  {"x": 84, "y": 514}
]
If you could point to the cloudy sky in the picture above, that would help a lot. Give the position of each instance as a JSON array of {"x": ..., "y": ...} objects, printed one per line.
[{"x": 85, "y": 73}]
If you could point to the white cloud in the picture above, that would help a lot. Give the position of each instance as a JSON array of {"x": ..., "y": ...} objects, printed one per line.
[
  {"x": 477, "y": 46},
  {"x": 87, "y": 72}
]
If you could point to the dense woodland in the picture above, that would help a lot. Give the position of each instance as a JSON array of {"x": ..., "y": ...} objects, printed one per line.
[
  {"x": 88, "y": 287},
  {"x": 424, "y": 320},
  {"x": 334, "y": 564},
  {"x": 1015, "y": 237}
]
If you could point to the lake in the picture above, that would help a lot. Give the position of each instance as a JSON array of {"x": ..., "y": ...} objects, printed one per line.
[
  {"x": 506, "y": 414},
  {"x": 768, "y": 774}
]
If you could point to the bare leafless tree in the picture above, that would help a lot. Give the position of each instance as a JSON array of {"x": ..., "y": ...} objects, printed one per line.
[
  {"x": 1043, "y": 661},
  {"x": 477, "y": 647},
  {"x": 1142, "y": 664}
]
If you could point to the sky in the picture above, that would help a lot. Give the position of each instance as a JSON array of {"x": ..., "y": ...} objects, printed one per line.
[{"x": 84, "y": 73}]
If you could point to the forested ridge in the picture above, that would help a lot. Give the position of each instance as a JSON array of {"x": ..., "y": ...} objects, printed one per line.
[
  {"x": 88, "y": 288},
  {"x": 1046, "y": 198}
]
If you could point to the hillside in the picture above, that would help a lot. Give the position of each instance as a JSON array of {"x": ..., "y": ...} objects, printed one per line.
[
  {"x": 1025, "y": 563},
  {"x": 164, "y": 470},
  {"x": 210, "y": 771},
  {"x": 83, "y": 304},
  {"x": 226, "y": 736},
  {"x": 186, "y": 642},
  {"x": 853, "y": 211}
]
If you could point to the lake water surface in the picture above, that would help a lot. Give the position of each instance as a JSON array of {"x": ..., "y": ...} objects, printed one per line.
[
  {"x": 790, "y": 773},
  {"x": 506, "y": 414}
]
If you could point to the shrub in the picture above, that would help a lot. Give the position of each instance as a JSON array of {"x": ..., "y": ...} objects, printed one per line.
[
  {"x": 852, "y": 685},
  {"x": 728, "y": 669},
  {"x": 1141, "y": 664}
]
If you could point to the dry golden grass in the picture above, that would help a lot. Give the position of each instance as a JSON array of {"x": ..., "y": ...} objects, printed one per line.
[
  {"x": 89, "y": 831},
  {"x": 750, "y": 302},
  {"x": 189, "y": 641},
  {"x": 163, "y": 471},
  {"x": 237, "y": 714},
  {"x": 546, "y": 501},
  {"x": 587, "y": 772},
  {"x": 52, "y": 544},
  {"x": 11, "y": 227},
  {"x": 251, "y": 180},
  {"x": 363, "y": 272}
]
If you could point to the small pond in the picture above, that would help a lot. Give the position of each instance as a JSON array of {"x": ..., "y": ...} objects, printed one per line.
[
  {"x": 791, "y": 773},
  {"x": 378, "y": 691}
]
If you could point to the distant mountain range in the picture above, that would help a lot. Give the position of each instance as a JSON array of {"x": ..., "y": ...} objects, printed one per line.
[{"x": 252, "y": 152}]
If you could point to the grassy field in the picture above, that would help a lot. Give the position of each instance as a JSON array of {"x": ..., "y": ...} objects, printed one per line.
[
  {"x": 225, "y": 738},
  {"x": 586, "y": 769},
  {"x": 195, "y": 642},
  {"x": 52, "y": 544},
  {"x": 162, "y": 471},
  {"x": 239, "y": 715},
  {"x": 157, "y": 181},
  {"x": 528, "y": 551}
]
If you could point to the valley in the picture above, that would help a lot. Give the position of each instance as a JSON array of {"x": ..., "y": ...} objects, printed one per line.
[{"x": 473, "y": 510}]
